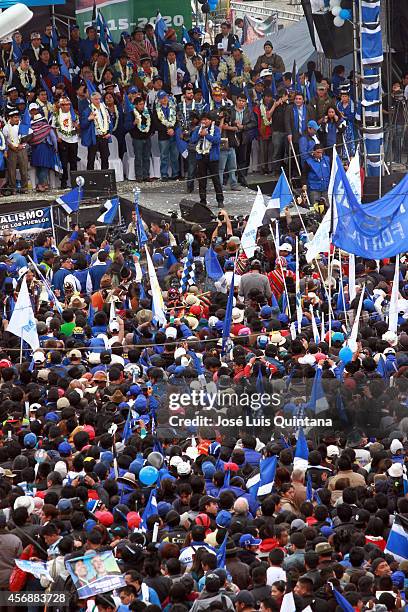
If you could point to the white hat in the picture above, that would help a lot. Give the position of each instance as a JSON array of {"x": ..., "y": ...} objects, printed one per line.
[
  {"x": 265, "y": 72},
  {"x": 212, "y": 321},
  {"x": 61, "y": 468},
  {"x": 333, "y": 450},
  {"x": 389, "y": 351},
  {"x": 175, "y": 461},
  {"x": 33, "y": 106},
  {"x": 38, "y": 357},
  {"x": 395, "y": 471},
  {"x": 395, "y": 446},
  {"x": 24, "y": 501},
  {"x": 183, "y": 468},
  {"x": 179, "y": 352},
  {"x": 237, "y": 315},
  {"x": 286, "y": 247},
  {"x": 171, "y": 333},
  {"x": 390, "y": 337},
  {"x": 307, "y": 359}
]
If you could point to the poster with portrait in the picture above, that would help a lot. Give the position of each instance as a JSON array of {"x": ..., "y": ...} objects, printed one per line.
[{"x": 95, "y": 573}]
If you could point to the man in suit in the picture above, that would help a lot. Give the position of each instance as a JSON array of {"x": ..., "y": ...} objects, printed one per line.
[
  {"x": 207, "y": 138},
  {"x": 226, "y": 38},
  {"x": 245, "y": 121},
  {"x": 33, "y": 51}
]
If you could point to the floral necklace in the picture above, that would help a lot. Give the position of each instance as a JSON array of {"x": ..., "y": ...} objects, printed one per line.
[
  {"x": 204, "y": 146},
  {"x": 101, "y": 118},
  {"x": 125, "y": 74},
  {"x": 170, "y": 122},
  {"x": 98, "y": 75},
  {"x": 143, "y": 120},
  {"x": 264, "y": 116},
  {"x": 45, "y": 107},
  {"x": 114, "y": 113},
  {"x": 64, "y": 123},
  {"x": 27, "y": 78}
]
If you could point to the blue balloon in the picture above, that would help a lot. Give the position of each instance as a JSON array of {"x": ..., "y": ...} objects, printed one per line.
[
  {"x": 148, "y": 475},
  {"x": 345, "y": 14},
  {"x": 346, "y": 354},
  {"x": 213, "y": 4}
]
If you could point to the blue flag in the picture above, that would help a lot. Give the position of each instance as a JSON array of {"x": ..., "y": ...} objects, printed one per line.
[
  {"x": 341, "y": 301},
  {"x": 181, "y": 144},
  {"x": 341, "y": 411},
  {"x": 301, "y": 450},
  {"x": 397, "y": 543},
  {"x": 170, "y": 257},
  {"x": 227, "y": 479},
  {"x": 228, "y": 316},
  {"x": 309, "y": 488},
  {"x": 90, "y": 86},
  {"x": 91, "y": 313},
  {"x": 313, "y": 86},
  {"x": 150, "y": 510},
  {"x": 342, "y": 601},
  {"x": 221, "y": 554},
  {"x": 127, "y": 430},
  {"x": 185, "y": 38},
  {"x": 71, "y": 200},
  {"x": 54, "y": 38},
  {"x": 48, "y": 90},
  {"x": 318, "y": 402},
  {"x": 110, "y": 210},
  {"x": 282, "y": 195},
  {"x": 141, "y": 234},
  {"x": 188, "y": 274},
  {"x": 17, "y": 53},
  {"x": 103, "y": 41},
  {"x": 160, "y": 28},
  {"x": 212, "y": 265},
  {"x": 25, "y": 123},
  {"x": 64, "y": 70},
  {"x": 204, "y": 88},
  {"x": 274, "y": 302},
  {"x": 262, "y": 483}
]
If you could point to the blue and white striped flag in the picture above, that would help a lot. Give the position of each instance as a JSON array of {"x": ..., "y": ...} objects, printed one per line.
[
  {"x": 397, "y": 543},
  {"x": 188, "y": 276},
  {"x": 110, "y": 211},
  {"x": 262, "y": 483},
  {"x": 71, "y": 200}
]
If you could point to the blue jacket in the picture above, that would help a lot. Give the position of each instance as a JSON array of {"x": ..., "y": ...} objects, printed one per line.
[
  {"x": 319, "y": 173},
  {"x": 95, "y": 275},
  {"x": 306, "y": 146},
  {"x": 166, "y": 75},
  {"x": 87, "y": 47},
  {"x": 252, "y": 457},
  {"x": 215, "y": 141},
  {"x": 88, "y": 134},
  {"x": 58, "y": 280}
]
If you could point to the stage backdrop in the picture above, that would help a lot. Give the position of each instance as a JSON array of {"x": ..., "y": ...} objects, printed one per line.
[{"x": 125, "y": 15}]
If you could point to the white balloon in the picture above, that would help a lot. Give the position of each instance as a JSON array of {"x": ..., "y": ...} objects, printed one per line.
[
  {"x": 338, "y": 22},
  {"x": 336, "y": 10}
]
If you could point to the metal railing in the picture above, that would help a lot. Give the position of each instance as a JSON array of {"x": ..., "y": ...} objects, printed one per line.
[{"x": 265, "y": 11}]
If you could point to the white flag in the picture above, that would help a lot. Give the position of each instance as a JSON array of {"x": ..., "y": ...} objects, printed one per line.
[
  {"x": 22, "y": 322},
  {"x": 157, "y": 298},
  {"x": 393, "y": 312},
  {"x": 288, "y": 603},
  {"x": 248, "y": 240},
  {"x": 352, "y": 277},
  {"x": 352, "y": 341}
]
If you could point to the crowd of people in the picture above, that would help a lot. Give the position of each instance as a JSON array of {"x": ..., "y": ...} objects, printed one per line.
[
  {"x": 205, "y": 110},
  {"x": 195, "y": 415}
]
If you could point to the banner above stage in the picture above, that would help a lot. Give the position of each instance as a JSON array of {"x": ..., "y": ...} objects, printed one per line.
[
  {"x": 26, "y": 222},
  {"x": 375, "y": 230}
]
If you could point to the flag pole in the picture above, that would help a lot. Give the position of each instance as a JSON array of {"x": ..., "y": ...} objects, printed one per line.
[
  {"x": 283, "y": 275},
  {"x": 344, "y": 297},
  {"x": 296, "y": 159},
  {"x": 21, "y": 347},
  {"x": 304, "y": 228}
]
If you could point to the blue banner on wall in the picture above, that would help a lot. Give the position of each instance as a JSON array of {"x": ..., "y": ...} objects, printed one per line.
[{"x": 27, "y": 221}]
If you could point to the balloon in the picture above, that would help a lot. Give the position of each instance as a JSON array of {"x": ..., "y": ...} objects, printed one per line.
[
  {"x": 346, "y": 354},
  {"x": 213, "y": 5},
  {"x": 336, "y": 11},
  {"x": 40, "y": 456},
  {"x": 338, "y": 22},
  {"x": 148, "y": 475},
  {"x": 345, "y": 14}
]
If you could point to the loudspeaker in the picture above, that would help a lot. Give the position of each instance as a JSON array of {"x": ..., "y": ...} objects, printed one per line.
[
  {"x": 195, "y": 212},
  {"x": 97, "y": 182},
  {"x": 336, "y": 42},
  {"x": 372, "y": 183}
]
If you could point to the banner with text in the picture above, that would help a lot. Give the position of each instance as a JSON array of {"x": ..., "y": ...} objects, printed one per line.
[
  {"x": 125, "y": 16},
  {"x": 26, "y": 221}
]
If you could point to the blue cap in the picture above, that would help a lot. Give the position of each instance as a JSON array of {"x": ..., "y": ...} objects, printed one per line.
[
  {"x": 140, "y": 403},
  {"x": 163, "y": 508},
  {"x": 223, "y": 518},
  {"x": 132, "y": 90},
  {"x": 64, "y": 448},
  {"x": 136, "y": 465},
  {"x": 338, "y": 337},
  {"x": 208, "y": 469},
  {"x": 368, "y": 305},
  {"x": 20, "y": 101},
  {"x": 52, "y": 416},
  {"x": 134, "y": 390},
  {"x": 89, "y": 525},
  {"x": 313, "y": 124},
  {"x": 64, "y": 505},
  {"x": 30, "y": 440},
  {"x": 326, "y": 530},
  {"x": 266, "y": 312},
  {"x": 92, "y": 505},
  {"x": 262, "y": 341},
  {"x": 248, "y": 540},
  {"x": 107, "y": 457},
  {"x": 162, "y": 94},
  {"x": 158, "y": 258}
]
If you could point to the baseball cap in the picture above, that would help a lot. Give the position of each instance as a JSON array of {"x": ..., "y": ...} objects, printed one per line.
[
  {"x": 245, "y": 597},
  {"x": 104, "y": 517},
  {"x": 249, "y": 540},
  {"x": 223, "y": 518},
  {"x": 313, "y": 124}
]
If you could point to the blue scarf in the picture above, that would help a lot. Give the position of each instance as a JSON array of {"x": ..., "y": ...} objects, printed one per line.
[{"x": 296, "y": 118}]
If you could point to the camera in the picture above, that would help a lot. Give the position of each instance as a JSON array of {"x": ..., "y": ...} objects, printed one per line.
[{"x": 220, "y": 217}]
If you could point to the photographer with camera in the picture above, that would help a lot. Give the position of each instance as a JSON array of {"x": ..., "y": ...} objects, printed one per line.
[
  {"x": 229, "y": 143},
  {"x": 396, "y": 115},
  {"x": 187, "y": 117}
]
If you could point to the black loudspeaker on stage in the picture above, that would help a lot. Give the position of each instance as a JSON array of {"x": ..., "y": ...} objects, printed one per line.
[
  {"x": 195, "y": 212},
  {"x": 336, "y": 42},
  {"x": 372, "y": 184},
  {"x": 98, "y": 183}
]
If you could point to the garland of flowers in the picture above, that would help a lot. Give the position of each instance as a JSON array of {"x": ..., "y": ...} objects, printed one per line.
[
  {"x": 143, "y": 126},
  {"x": 115, "y": 117},
  {"x": 101, "y": 112},
  {"x": 238, "y": 79},
  {"x": 45, "y": 107},
  {"x": 27, "y": 78},
  {"x": 204, "y": 146},
  {"x": 64, "y": 124},
  {"x": 98, "y": 78},
  {"x": 125, "y": 75},
  {"x": 171, "y": 121},
  {"x": 265, "y": 119}
]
